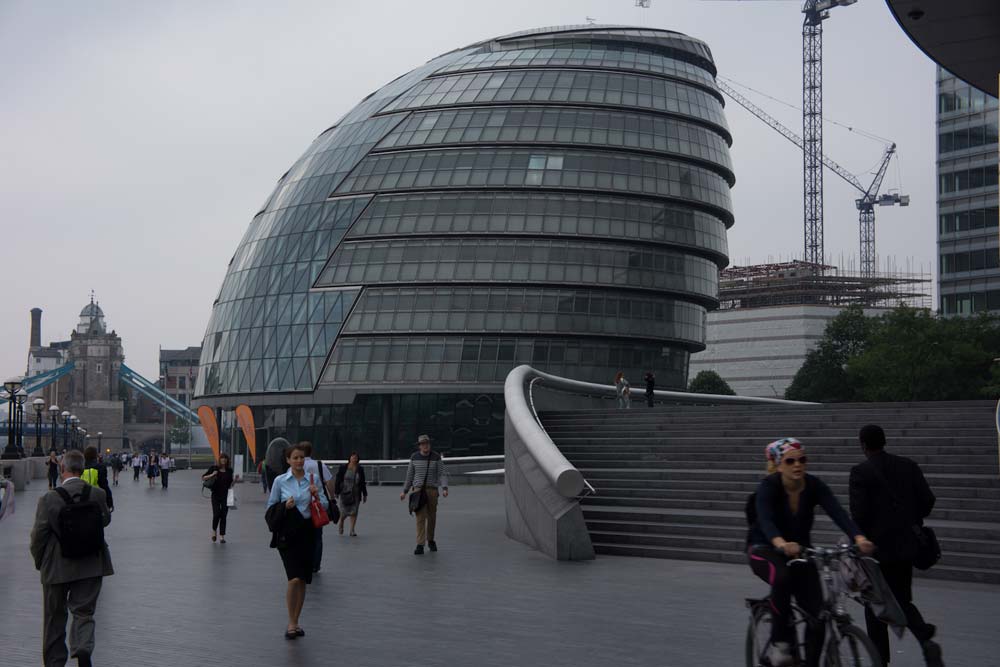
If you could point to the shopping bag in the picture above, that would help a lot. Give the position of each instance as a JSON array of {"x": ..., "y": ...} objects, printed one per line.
[
  {"x": 879, "y": 598},
  {"x": 231, "y": 499}
]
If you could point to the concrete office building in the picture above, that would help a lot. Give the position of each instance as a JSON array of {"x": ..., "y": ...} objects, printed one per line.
[
  {"x": 557, "y": 197},
  {"x": 968, "y": 232}
]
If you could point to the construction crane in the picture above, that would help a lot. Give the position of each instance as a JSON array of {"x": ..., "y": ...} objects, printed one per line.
[
  {"x": 815, "y": 11},
  {"x": 869, "y": 195}
]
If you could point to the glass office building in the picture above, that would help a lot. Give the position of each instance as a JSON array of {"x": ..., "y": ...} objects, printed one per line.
[
  {"x": 557, "y": 197},
  {"x": 968, "y": 232}
]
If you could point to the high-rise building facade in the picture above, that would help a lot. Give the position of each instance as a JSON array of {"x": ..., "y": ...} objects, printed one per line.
[
  {"x": 557, "y": 197},
  {"x": 968, "y": 233}
]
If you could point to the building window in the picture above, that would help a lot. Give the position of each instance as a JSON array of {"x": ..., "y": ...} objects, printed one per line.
[
  {"x": 100, "y": 367},
  {"x": 182, "y": 382}
]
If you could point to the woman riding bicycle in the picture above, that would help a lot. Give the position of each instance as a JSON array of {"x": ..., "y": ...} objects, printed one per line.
[{"x": 781, "y": 518}]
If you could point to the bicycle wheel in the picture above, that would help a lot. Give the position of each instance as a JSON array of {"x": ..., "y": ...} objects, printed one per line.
[
  {"x": 855, "y": 649},
  {"x": 758, "y": 634}
]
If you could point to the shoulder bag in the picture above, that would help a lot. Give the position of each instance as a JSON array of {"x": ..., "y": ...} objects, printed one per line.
[
  {"x": 927, "y": 550},
  {"x": 332, "y": 510},
  {"x": 319, "y": 516},
  {"x": 418, "y": 499}
]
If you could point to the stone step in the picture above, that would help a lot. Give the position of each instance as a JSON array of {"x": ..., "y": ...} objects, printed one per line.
[
  {"x": 591, "y": 445},
  {"x": 819, "y": 466},
  {"x": 980, "y": 515},
  {"x": 754, "y": 459},
  {"x": 744, "y": 488},
  {"x": 940, "y": 571},
  {"x": 766, "y": 430},
  {"x": 899, "y": 446},
  {"x": 712, "y": 475}
]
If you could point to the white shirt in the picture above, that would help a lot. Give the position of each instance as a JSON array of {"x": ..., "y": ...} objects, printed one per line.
[
  {"x": 311, "y": 466},
  {"x": 63, "y": 483}
]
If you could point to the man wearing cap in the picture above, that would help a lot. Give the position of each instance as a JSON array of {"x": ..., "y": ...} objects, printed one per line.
[{"x": 426, "y": 471}]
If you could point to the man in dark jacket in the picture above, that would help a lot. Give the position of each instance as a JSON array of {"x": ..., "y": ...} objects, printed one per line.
[
  {"x": 68, "y": 584},
  {"x": 92, "y": 462},
  {"x": 889, "y": 496}
]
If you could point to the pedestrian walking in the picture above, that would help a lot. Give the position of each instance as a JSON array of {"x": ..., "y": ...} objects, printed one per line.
[
  {"x": 67, "y": 545},
  {"x": 152, "y": 468},
  {"x": 323, "y": 477},
  {"x": 164, "y": 464},
  {"x": 289, "y": 517},
  {"x": 116, "y": 468},
  {"x": 53, "y": 464},
  {"x": 219, "y": 479},
  {"x": 650, "y": 387},
  {"x": 96, "y": 474},
  {"x": 890, "y": 498},
  {"x": 425, "y": 476},
  {"x": 623, "y": 391},
  {"x": 136, "y": 467},
  {"x": 350, "y": 490}
]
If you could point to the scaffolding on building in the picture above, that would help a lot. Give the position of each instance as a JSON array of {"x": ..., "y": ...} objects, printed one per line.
[{"x": 807, "y": 283}]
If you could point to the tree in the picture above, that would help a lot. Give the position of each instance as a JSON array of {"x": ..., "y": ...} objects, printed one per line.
[
  {"x": 823, "y": 376},
  {"x": 710, "y": 382},
  {"x": 180, "y": 432}
]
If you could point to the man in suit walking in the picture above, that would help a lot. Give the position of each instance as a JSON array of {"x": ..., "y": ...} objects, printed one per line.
[
  {"x": 68, "y": 583},
  {"x": 889, "y": 495}
]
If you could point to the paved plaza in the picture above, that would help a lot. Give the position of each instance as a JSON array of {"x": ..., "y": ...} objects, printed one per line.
[{"x": 178, "y": 599}]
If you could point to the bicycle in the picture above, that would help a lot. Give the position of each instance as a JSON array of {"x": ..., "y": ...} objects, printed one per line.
[{"x": 845, "y": 645}]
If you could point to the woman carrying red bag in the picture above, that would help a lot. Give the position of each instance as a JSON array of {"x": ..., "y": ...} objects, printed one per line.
[{"x": 289, "y": 516}]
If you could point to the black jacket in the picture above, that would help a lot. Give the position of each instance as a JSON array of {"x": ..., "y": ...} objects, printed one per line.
[
  {"x": 887, "y": 515},
  {"x": 286, "y": 525},
  {"x": 773, "y": 517},
  {"x": 359, "y": 484},
  {"x": 102, "y": 481}
]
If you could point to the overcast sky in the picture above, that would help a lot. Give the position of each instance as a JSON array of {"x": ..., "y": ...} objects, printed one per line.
[{"x": 137, "y": 139}]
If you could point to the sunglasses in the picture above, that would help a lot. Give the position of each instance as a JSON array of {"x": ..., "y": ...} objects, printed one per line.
[{"x": 790, "y": 461}]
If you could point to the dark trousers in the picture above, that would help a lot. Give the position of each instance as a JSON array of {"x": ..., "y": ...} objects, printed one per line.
[
  {"x": 649, "y": 398},
  {"x": 318, "y": 550},
  {"x": 899, "y": 577},
  {"x": 53, "y": 480},
  {"x": 135, "y": 473},
  {"x": 219, "y": 512},
  {"x": 802, "y": 581},
  {"x": 80, "y": 599},
  {"x": 164, "y": 475}
]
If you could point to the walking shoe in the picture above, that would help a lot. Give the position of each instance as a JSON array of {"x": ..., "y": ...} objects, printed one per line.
[
  {"x": 932, "y": 653},
  {"x": 419, "y": 551},
  {"x": 779, "y": 654},
  {"x": 433, "y": 545}
]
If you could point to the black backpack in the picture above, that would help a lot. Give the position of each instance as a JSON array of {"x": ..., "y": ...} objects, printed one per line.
[{"x": 81, "y": 525}]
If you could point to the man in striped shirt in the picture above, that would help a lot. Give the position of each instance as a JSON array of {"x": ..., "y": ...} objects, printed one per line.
[{"x": 426, "y": 471}]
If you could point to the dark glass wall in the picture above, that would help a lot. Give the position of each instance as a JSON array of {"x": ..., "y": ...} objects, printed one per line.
[{"x": 558, "y": 197}]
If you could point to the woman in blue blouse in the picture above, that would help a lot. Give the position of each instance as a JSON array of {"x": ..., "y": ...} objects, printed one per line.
[{"x": 295, "y": 491}]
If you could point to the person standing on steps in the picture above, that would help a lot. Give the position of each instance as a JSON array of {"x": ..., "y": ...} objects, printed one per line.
[
  {"x": 351, "y": 490},
  {"x": 889, "y": 496},
  {"x": 67, "y": 545},
  {"x": 650, "y": 387},
  {"x": 222, "y": 480},
  {"x": 426, "y": 474},
  {"x": 623, "y": 391}
]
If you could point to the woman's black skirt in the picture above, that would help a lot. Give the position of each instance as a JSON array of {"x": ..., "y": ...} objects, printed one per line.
[{"x": 297, "y": 557}]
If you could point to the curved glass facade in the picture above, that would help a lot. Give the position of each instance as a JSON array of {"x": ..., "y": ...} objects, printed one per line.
[{"x": 557, "y": 197}]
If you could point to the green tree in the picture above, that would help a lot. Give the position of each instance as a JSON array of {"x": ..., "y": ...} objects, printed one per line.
[
  {"x": 823, "y": 376},
  {"x": 710, "y": 382},
  {"x": 180, "y": 432}
]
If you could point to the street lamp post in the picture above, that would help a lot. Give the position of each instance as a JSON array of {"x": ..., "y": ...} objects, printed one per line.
[
  {"x": 39, "y": 407},
  {"x": 11, "y": 386},
  {"x": 20, "y": 398},
  {"x": 54, "y": 413},
  {"x": 65, "y": 417}
]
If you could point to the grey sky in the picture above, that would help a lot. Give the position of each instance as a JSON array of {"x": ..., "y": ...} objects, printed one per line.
[{"x": 138, "y": 139}]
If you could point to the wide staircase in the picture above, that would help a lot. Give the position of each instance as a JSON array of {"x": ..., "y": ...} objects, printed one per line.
[{"x": 672, "y": 481}]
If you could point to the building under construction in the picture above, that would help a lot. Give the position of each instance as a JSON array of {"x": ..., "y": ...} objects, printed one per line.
[
  {"x": 772, "y": 315},
  {"x": 805, "y": 283}
]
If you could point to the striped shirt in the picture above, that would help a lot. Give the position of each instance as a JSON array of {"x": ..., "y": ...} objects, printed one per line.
[{"x": 421, "y": 472}]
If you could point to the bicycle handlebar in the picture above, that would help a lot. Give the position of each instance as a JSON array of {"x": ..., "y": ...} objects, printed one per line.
[{"x": 824, "y": 553}]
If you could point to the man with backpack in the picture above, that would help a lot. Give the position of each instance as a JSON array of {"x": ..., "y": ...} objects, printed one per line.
[
  {"x": 890, "y": 499},
  {"x": 67, "y": 545},
  {"x": 96, "y": 474}
]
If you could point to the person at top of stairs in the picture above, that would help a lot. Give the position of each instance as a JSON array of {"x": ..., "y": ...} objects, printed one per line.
[
  {"x": 781, "y": 518},
  {"x": 624, "y": 391}
]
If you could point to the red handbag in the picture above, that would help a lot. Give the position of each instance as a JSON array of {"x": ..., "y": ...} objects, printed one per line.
[{"x": 319, "y": 516}]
